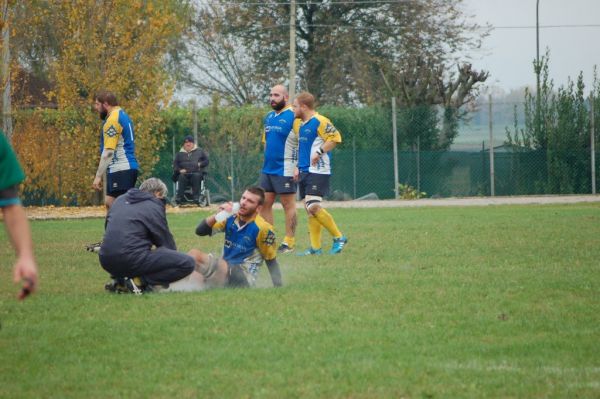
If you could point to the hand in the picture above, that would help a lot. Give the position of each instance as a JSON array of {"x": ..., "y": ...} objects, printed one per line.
[
  {"x": 97, "y": 184},
  {"x": 225, "y": 210},
  {"x": 315, "y": 158},
  {"x": 226, "y": 206},
  {"x": 296, "y": 174},
  {"x": 182, "y": 171},
  {"x": 25, "y": 272}
]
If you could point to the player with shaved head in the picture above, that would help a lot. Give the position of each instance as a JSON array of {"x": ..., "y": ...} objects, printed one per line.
[{"x": 281, "y": 156}]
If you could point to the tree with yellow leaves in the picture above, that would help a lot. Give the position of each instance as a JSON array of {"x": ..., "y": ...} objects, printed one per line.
[{"x": 83, "y": 46}]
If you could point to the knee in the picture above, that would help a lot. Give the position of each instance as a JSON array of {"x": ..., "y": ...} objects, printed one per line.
[
  {"x": 268, "y": 204},
  {"x": 312, "y": 204},
  {"x": 289, "y": 204},
  {"x": 197, "y": 255},
  {"x": 189, "y": 265}
]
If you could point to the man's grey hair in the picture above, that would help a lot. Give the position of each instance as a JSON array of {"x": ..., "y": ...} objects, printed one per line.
[{"x": 154, "y": 185}]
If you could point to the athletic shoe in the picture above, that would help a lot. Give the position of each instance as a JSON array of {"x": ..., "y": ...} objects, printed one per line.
[
  {"x": 311, "y": 251},
  {"x": 94, "y": 248},
  {"x": 116, "y": 285},
  {"x": 133, "y": 286},
  {"x": 338, "y": 245},
  {"x": 285, "y": 249}
]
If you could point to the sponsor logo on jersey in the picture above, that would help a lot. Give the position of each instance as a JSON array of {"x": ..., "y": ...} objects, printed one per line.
[
  {"x": 270, "y": 238},
  {"x": 330, "y": 129},
  {"x": 111, "y": 132}
]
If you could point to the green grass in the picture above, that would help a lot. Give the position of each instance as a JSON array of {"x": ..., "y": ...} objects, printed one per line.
[{"x": 497, "y": 301}]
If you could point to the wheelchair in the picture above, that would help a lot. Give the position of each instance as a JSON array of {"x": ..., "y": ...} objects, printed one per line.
[{"x": 188, "y": 197}]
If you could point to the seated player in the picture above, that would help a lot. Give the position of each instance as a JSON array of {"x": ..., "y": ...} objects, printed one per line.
[{"x": 249, "y": 240}]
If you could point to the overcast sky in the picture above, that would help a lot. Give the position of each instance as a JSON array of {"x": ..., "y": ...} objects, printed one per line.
[{"x": 508, "y": 52}]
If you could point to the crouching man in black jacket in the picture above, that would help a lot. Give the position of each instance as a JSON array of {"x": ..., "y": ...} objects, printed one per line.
[{"x": 136, "y": 222}]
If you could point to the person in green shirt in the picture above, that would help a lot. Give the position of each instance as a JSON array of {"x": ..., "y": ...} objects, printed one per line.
[{"x": 15, "y": 219}]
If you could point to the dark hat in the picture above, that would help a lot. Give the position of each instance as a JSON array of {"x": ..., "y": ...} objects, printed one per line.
[{"x": 189, "y": 138}]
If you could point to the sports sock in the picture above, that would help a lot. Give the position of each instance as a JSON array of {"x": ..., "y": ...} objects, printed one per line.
[
  {"x": 326, "y": 220},
  {"x": 290, "y": 241},
  {"x": 314, "y": 232},
  {"x": 138, "y": 281}
]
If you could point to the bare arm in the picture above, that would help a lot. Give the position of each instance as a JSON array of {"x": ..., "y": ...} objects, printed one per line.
[
  {"x": 275, "y": 272},
  {"x": 25, "y": 268},
  {"x": 206, "y": 225},
  {"x": 105, "y": 159}
]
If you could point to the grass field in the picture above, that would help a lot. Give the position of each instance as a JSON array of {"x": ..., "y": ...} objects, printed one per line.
[{"x": 496, "y": 301}]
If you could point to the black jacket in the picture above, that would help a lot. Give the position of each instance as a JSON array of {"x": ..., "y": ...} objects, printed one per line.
[
  {"x": 136, "y": 221},
  {"x": 193, "y": 161}
]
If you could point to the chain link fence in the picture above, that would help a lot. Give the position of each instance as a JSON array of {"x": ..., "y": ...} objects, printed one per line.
[
  {"x": 491, "y": 150},
  {"x": 363, "y": 165}
]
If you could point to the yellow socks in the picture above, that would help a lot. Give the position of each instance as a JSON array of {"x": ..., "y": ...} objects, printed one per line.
[
  {"x": 326, "y": 220},
  {"x": 314, "y": 232},
  {"x": 289, "y": 241}
]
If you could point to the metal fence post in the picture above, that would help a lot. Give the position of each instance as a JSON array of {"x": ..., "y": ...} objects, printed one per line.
[
  {"x": 395, "y": 137},
  {"x": 419, "y": 165},
  {"x": 173, "y": 142},
  {"x": 195, "y": 121},
  {"x": 593, "y": 144},
  {"x": 492, "y": 186},
  {"x": 231, "y": 165},
  {"x": 354, "y": 166}
]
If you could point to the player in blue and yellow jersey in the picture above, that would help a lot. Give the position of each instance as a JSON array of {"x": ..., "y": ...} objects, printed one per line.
[
  {"x": 117, "y": 148},
  {"x": 317, "y": 137},
  {"x": 281, "y": 155},
  {"x": 249, "y": 240},
  {"x": 117, "y": 152}
]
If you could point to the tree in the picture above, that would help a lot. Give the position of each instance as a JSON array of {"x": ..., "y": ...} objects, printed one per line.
[
  {"x": 562, "y": 134},
  {"x": 121, "y": 45},
  {"x": 343, "y": 47},
  {"x": 215, "y": 61}
]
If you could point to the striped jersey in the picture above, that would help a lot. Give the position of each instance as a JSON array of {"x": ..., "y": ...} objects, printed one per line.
[
  {"x": 281, "y": 143},
  {"x": 117, "y": 134},
  {"x": 312, "y": 134}
]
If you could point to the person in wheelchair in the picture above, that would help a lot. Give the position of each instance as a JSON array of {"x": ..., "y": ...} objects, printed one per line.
[{"x": 188, "y": 169}]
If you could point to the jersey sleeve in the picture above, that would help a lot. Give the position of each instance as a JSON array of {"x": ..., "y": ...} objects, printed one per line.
[
  {"x": 265, "y": 242},
  {"x": 219, "y": 227},
  {"x": 263, "y": 139},
  {"x": 111, "y": 131},
  {"x": 11, "y": 173},
  {"x": 328, "y": 132},
  {"x": 296, "y": 126}
]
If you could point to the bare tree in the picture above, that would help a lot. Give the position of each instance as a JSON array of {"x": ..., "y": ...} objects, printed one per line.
[{"x": 216, "y": 61}]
